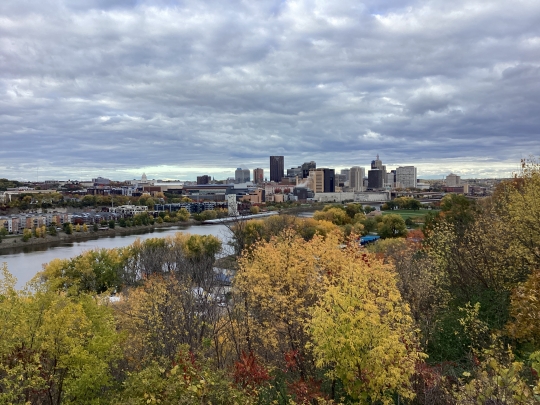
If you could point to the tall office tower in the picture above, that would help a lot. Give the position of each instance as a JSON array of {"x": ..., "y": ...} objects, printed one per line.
[
  {"x": 324, "y": 180},
  {"x": 376, "y": 179},
  {"x": 316, "y": 178},
  {"x": 329, "y": 180},
  {"x": 241, "y": 175},
  {"x": 453, "y": 180},
  {"x": 346, "y": 173},
  {"x": 277, "y": 168},
  {"x": 356, "y": 182},
  {"x": 258, "y": 175},
  {"x": 406, "y": 177},
  {"x": 377, "y": 163},
  {"x": 306, "y": 167}
]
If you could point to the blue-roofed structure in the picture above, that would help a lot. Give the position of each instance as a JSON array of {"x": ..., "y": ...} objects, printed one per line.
[{"x": 364, "y": 240}]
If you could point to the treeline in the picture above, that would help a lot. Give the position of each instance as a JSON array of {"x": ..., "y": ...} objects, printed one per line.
[
  {"x": 26, "y": 201},
  {"x": 5, "y": 184},
  {"x": 447, "y": 315}
]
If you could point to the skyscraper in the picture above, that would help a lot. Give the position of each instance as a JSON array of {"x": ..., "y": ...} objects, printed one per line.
[
  {"x": 377, "y": 174},
  {"x": 377, "y": 163},
  {"x": 324, "y": 180},
  {"x": 406, "y": 176},
  {"x": 453, "y": 180},
  {"x": 329, "y": 180},
  {"x": 277, "y": 168},
  {"x": 258, "y": 175},
  {"x": 376, "y": 179},
  {"x": 356, "y": 181},
  {"x": 241, "y": 175}
]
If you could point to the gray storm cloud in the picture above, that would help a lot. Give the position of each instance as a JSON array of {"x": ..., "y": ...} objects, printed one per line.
[{"x": 180, "y": 87}]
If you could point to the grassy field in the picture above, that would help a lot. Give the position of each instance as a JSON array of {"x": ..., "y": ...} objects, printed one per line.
[{"x": 409, "y": 213}]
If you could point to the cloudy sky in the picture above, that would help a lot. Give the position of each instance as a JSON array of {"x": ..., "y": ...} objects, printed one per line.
[{"x": 178, "y": 88}]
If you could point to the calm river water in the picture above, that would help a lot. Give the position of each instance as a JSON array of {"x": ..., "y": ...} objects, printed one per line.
[{"x": 25, "y": 264}]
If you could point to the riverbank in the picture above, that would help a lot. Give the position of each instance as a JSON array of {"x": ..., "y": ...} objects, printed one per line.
[{"x": 15, "y": 242}]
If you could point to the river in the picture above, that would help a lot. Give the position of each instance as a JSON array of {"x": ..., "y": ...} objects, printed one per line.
[{"x": 26, "y": 263}]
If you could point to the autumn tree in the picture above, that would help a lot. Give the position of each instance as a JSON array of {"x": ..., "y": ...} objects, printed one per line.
[
  {"x": 475, "y": 263},
  {"x": 423, "y": 286},
  {"x": 277, "y": 283},
  {"x": 54, "y": 348},
  {"x": 94, "y": 271},
  {"x": 167, "y": 312},
  {"x": 362, "y": 331},
  {"x": 254, "y": 209},
  {"x": 524, "y": 310},
  {"x": 183, "y": 215},
  {"x": 353, "y": 208},
  {"x": 496, "y": 378},
  {"x": 337, "y": 216},
  {"x": 392, "y": 226},
  {"x": 27, "y": 234},
  {"x": 186, "y": 380},
  {"x": 520, "y": 208}
]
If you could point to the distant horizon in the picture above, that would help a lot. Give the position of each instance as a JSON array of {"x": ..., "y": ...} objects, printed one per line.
[{"x": 165, "y": 179}]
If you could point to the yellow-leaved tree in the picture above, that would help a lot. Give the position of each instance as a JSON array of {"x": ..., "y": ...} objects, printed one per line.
[
  {"x": 525, "y": 311},
  {"x": 275, "y": 287},
  {"x": 522, "y": 211},
  {"x": 362, "y": 332},
  {"x": 54, "y": 348}
]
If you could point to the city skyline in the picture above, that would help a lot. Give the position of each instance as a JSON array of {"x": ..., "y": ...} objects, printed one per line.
[
  {"x": 226, "y": 174},
  {"x": 178, "y": 89}
]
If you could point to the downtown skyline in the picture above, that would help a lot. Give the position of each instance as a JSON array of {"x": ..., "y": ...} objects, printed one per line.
[{"x": 177, "y": 89}]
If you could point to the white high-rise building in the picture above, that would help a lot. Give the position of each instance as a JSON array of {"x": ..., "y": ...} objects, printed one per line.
[
  {"x": 356, "y": 178},
  {"x": 241, "y": 175},
  {"x": 453, "y": 180},
  {"x": 406, "y": 177}
]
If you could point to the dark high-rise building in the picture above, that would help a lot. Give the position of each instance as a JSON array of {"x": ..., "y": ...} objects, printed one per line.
[
  {"x": 376, "y": 178},
  {"x": 306, "y": 167},
  {"x": 329, "y": 180},
  {"x": 277, "y": 168},
  {"x": 203, "y": 179}
]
